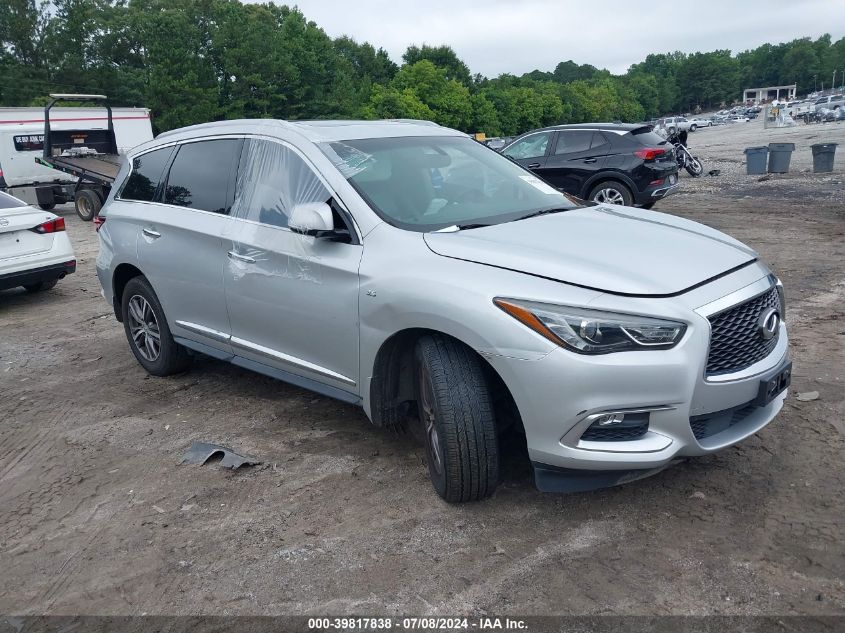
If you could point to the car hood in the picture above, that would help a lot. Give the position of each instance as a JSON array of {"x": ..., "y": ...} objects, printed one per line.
[{"x": 610, "y": 248}]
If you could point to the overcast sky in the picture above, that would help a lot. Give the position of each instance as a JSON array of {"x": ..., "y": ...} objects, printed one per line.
[{"x": 517, "y": 36}]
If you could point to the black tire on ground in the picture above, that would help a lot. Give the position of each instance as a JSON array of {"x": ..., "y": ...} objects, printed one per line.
[
  {"x": 88, "y": 204},
  {"x": 148, "y": 333},
  {"x": 41, "y": 286},
  {"x": 611, "y": 192},
  {"x": 49, "y": 206},
  {"x": 693, "y": 127},
  {"x": 456, "y": 414}
]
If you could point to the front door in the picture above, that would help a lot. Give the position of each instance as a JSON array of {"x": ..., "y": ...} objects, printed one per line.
[
  {"x": 292, "y": 299},
  {"x": 530, "y": 151}
]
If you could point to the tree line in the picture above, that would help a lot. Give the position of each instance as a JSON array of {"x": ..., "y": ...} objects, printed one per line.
[{"x": 191, "y": 61}]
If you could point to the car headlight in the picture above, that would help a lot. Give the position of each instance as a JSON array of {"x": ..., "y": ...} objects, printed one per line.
[{"x": 593, "y": 331}]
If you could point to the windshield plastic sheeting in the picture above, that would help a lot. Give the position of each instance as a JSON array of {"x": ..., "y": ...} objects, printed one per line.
[
  {"x": 426, "y": 183},
  {"x": 273, "y": 179}
]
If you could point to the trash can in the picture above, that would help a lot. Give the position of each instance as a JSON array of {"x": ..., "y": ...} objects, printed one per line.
[
  {"x": 823, "y": 157},
  {"x": 755, "y": 160},
  {"x": 779, "y": 157}
]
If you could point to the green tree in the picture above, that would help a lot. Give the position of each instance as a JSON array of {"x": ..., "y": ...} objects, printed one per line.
[{"x": 443, "y": 57}]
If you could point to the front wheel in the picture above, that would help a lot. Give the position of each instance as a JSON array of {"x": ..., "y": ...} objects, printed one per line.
[
  {"x": 693, "y": 128},
  {"x": 693, "y": 166},
  {"x": 611, "y": 192},
  {"x": 456, "y": 414},
  {"x": 148, "y": 333}
]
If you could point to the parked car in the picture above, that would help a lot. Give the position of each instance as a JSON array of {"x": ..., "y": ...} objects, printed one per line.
[
  {"x": 329, "y": 255},
  {"x": 831, "y": 102},
  {"x": 625, "y": 164},
  {"x": 35, "y": 251},
  {"x": 675, "y": 124},
  {"x": 696, "y": 123}
]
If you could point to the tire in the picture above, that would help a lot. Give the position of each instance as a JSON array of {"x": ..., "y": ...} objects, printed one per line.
[
  {"x": 41, "y": 286},
  {"x": 88, "y": 204},
  {"x": 693, "y": 127},
  {"x": 143, "y": 318},
  {"x": 694, "y": 167},
  {"x": 48, "y": 206},
  {"x": 456, "y": 415},
  {"x": 611, "y": 192}
]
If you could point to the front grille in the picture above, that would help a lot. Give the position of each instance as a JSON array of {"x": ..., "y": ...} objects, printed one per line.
[
  {"x": 615, "y": 434},
  {"x": 735, "y": 340},
  {"x": 710, "y": 424}
]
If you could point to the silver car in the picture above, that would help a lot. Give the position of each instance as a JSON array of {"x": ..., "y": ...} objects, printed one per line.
[{"x": 409, "y": 269}]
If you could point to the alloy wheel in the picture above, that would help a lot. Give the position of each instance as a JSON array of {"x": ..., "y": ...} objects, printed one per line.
[
  {"x": 427, "y": 417},
  {"x": 143, "y": 326},
  {"x": 609, "y": 196}
]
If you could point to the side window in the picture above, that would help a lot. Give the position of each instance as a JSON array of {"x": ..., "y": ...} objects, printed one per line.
[
  {"x": 532, "y": 146},
  {"x": 573, "y": 141},
  {"x": 200, "y": 174},
  {"x": 146, "y": 175},
  {"x": 272, "y": 179}
]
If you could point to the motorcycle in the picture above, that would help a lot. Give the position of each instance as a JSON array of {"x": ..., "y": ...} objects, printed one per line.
[{"x": 683, "y": 157}]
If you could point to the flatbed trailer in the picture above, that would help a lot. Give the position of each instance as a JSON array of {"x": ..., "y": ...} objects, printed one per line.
[{"x": 90, "y": 155}]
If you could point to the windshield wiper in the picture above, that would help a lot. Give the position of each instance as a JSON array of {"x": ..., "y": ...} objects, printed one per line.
[
  {"x": 534, "y": 214},
  {"x": 462, "y": 227}
]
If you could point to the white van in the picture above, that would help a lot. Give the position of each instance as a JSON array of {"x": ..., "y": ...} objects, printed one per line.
[
  {"x": 22, "y": 141},
  {"x": 831, "y": 102}
]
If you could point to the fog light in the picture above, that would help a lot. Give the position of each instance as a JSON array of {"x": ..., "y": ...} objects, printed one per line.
[{"x": 609, "y": 419}]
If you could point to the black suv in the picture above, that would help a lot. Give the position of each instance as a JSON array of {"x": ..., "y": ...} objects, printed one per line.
[{"x": 615, "y": 163}]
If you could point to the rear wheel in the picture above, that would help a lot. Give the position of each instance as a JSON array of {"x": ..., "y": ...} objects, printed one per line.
[
  {"x": 147, "y": 331},
  {"x": 693, "y": 127},
  {"x": 41, "y": 286},
  {"x": 87, "y": 203},
  {"x": 611, "y": 192},
  {"x": 456, "y": 414},
  {"x": 49, "y": 206}
]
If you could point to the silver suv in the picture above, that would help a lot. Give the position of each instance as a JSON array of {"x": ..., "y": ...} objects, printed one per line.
[{"x": 407, "y": 268}]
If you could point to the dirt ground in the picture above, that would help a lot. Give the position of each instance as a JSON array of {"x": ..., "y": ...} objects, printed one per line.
[{"x": 97, "y": 517}]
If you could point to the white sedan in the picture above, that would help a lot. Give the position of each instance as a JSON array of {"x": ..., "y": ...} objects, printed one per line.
[
  {"x": 35, "y": 251},
  {"x": 697, "y": 123}
]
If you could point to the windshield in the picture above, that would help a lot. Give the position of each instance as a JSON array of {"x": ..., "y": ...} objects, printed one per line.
[{"x": 432, "y": 182}]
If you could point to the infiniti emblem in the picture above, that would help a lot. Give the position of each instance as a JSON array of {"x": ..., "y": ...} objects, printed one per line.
[
  {"x": 768, "y": 323},
  {"x": 4, "y": 222}
]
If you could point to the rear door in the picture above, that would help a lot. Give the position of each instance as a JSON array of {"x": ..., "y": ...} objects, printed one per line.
[
  {"x": 180, "y": 240},
  {"x": 531, "y": 150},
  {"x": 577, "y": 155}
]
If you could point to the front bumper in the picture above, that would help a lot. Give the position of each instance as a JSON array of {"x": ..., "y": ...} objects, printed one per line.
[{"x": 558, "y": 394}]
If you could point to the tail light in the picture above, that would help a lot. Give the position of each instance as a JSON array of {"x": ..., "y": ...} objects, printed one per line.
[
  {"x": 649, "y": 153},
  {"x": 99, "y": 221},
  {"x": 50, "y": 226}
]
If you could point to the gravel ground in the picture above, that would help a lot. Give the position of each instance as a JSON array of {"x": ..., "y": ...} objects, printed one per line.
[{"x": 97, "y": 517}]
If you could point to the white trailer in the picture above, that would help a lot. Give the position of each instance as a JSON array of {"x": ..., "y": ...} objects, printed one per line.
[{"x": 22, "y": 133}]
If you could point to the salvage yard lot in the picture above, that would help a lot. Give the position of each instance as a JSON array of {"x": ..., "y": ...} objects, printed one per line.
[{"x": 98, "y": 517}]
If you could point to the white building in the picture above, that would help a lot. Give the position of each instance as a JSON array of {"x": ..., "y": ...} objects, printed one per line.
[{"x": 770, "y": 93}]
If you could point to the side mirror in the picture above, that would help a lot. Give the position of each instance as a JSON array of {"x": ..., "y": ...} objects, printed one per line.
[
  {"x": 316, "y": 219},
  {"x": 311, "y": 218}
]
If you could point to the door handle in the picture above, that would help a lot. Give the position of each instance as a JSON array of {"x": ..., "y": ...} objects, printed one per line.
[
  {"x": 151, "y": 233},
  {"x": 589, "y": 160},
  {"x": 241, "y": 258},
  {"x": 533, "y": 165}
]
